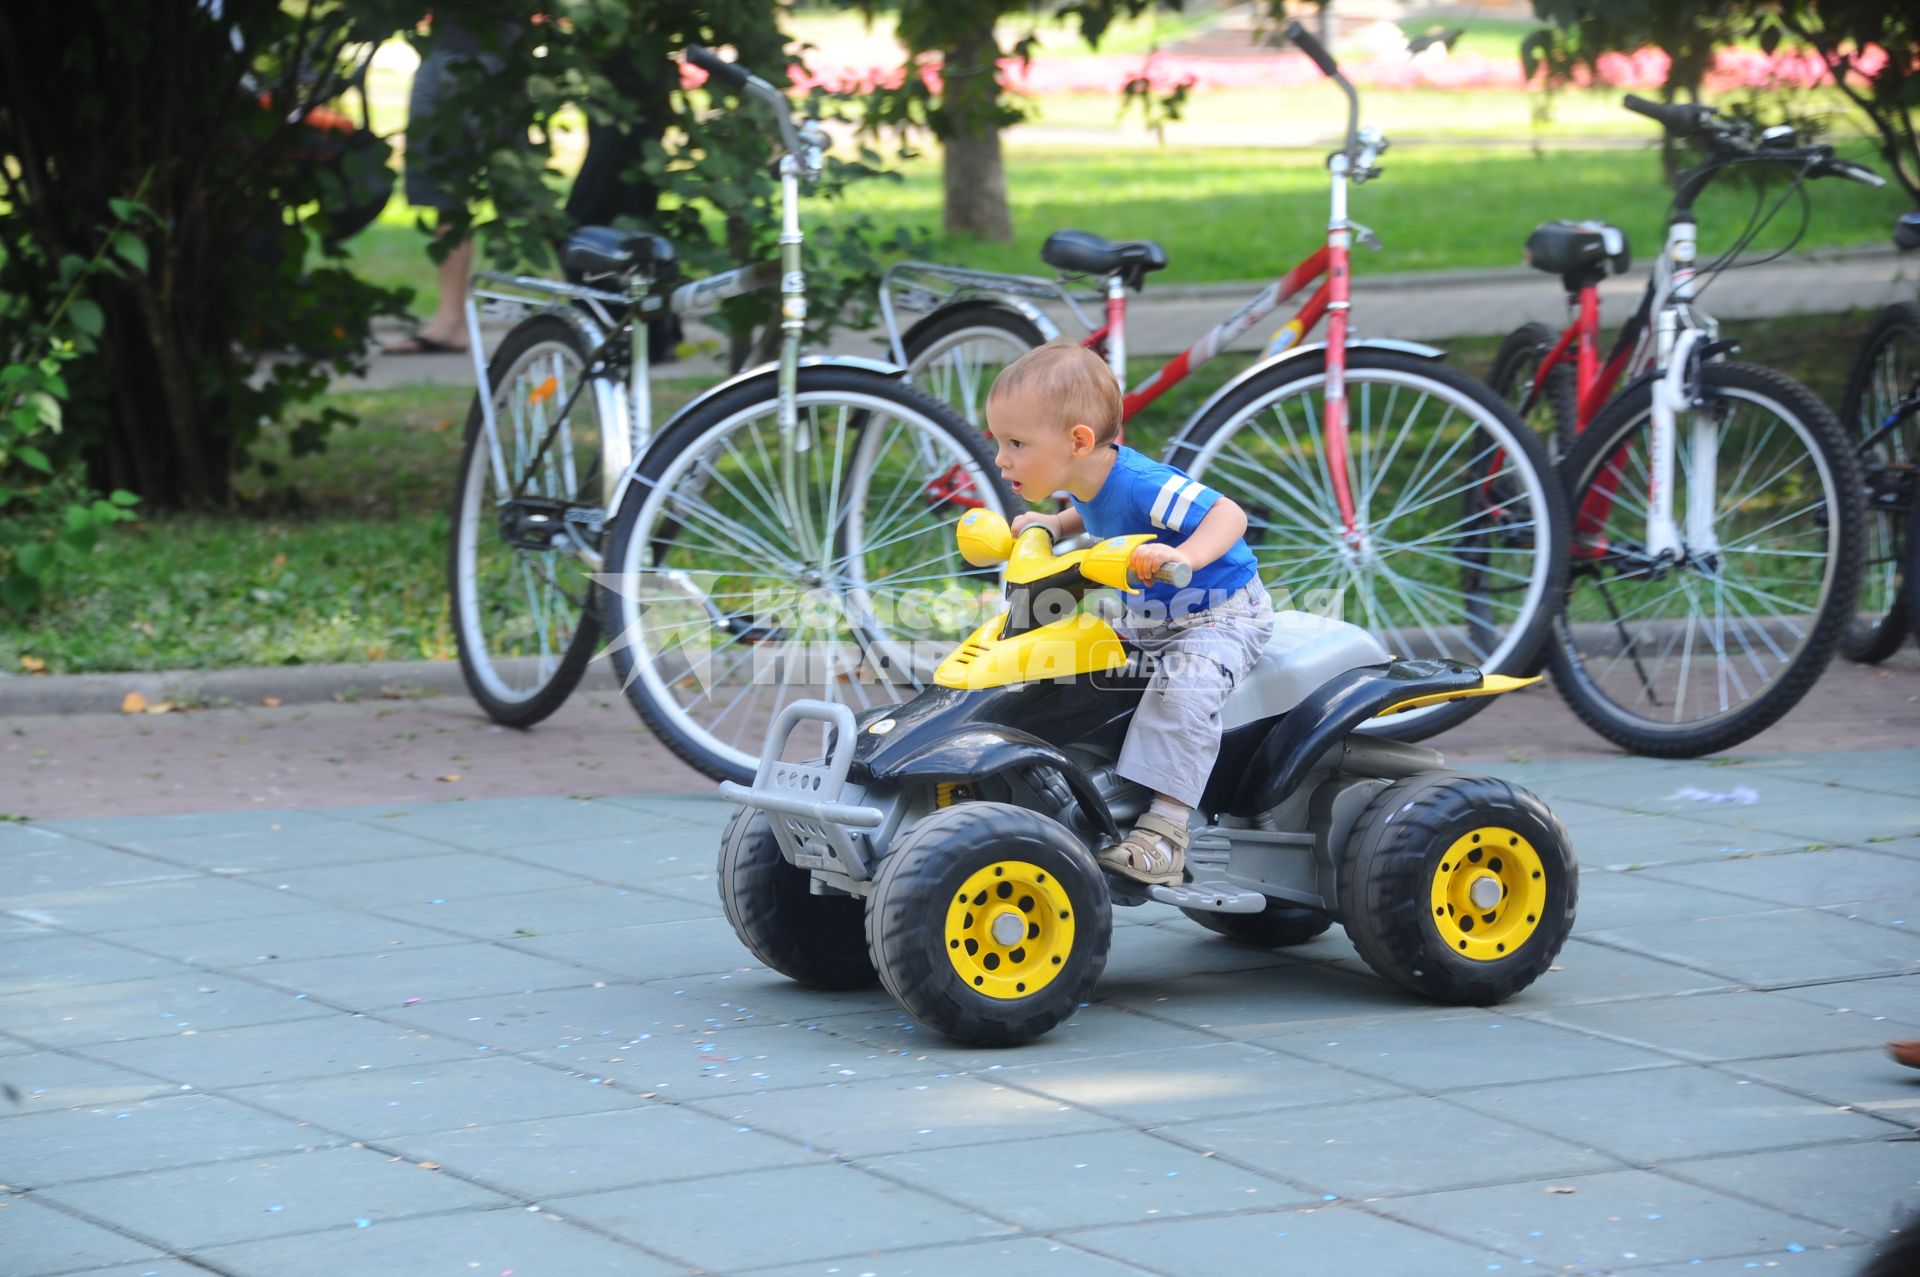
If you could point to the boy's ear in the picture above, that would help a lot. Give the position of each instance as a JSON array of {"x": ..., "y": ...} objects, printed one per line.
[{"x": 1083, "y": 439}]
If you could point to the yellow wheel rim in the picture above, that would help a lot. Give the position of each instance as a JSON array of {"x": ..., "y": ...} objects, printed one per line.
[
  {"x": 1009, "y": 930},
  {"x": 1488, "y": 893}
]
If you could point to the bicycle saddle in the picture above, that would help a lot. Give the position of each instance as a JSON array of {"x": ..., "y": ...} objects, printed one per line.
[
  {"x": 594, "y": 252},
  {"x": 1085, "y": 253},
  {"x": 1581, "y": 253}
]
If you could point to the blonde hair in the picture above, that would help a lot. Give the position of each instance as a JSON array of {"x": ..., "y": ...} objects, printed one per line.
[{"x": 1074, "y": 386}]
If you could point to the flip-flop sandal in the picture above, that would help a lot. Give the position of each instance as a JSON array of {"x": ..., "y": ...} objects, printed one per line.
[
  {"x": 421, "y": 344},
  {"x": 1138, "y": 856}
]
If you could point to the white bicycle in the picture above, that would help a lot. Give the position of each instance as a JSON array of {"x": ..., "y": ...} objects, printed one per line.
[{"x": 784, "y": 535}]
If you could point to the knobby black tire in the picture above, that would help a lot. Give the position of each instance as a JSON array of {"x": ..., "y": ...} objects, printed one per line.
[
  {"x": 475, "y": 471},
  {"x": 985, "y": 319},
  {"x": 1277, "y": 926},
  {"x": 911, "y": 892},
  {"x": 1880, "y": 623},
  {"x": 1613, "y": 428},
  {"x": 1912, "y": 591},
  {"x": 1490, "y": 413},
  {"x": 1556, "y": 403},
  {"x": 679, "y": 437},
  {"x": 819, "y": 941},
  {"x": 1386, "y": 872}
]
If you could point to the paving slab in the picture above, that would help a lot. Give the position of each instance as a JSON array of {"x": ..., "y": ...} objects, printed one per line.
[
  {"x": 651, "y": 1144},
  {"x": 1026, "y": 1255},
  {"x": 57, "y": 1081},
  {"x": 1839, "y": 1184},
  {"x": 1830, "y": 876},
  {"x": 1319, "y": 1239},
  {"x": 1186, "y": 1083},
  {"x": 1613, "y": 1221},
  {"x": 46, "y": 1149},
  {"x": 1654, "y": 1115},
  {"x": 515, "y": 1240},
  {"x": 38, "y": 1238},
  {"x": 247, "y": 945},
  {"x": 221, "y": 1058},
  {"x": 274, "y": 1196},
  {"x": 698, "y": 1222},
  {"x": 1746, "y": 948},
  {"x": 1745, "y": 1024},
  {"x": 59, "y": 960},
  {"x": 1472, "y": 1050},
  {"x": 198, "y": 1000},
  {"x": 1098, "y": 1177}
]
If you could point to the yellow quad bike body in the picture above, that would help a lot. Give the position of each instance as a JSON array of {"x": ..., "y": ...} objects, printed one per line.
[{"x": 944, "y": 846}]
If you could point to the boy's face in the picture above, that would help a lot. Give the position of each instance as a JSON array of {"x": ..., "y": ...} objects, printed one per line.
[{"x": 1037, "y": 456}]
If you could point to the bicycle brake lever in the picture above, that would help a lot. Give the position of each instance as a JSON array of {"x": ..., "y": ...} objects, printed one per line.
[{"x": 1363, "y": 235}]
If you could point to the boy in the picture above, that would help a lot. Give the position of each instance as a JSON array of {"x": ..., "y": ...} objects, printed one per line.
[{"x": 1055, "y": 415}]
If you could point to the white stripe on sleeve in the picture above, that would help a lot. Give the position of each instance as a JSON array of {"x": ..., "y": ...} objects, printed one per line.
[
  {"x": 1161, "y": 502},
  {"x": 1185, "y": 503}
]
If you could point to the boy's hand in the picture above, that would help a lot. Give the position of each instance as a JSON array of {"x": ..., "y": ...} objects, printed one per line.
[
  {"x": 1032, "y": 519},
  {"x": 1151, "y": 557}
]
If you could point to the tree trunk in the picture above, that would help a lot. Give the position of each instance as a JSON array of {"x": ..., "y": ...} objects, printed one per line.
[{"x": 976, "y": 176}]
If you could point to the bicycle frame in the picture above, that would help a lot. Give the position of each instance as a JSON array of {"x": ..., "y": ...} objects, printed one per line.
[{"x": 1676, "y": 333}]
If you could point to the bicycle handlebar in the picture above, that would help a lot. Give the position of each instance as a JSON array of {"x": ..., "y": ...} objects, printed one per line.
[
  {"x": 1678, "y": 118},
  {"x": 1175, "y": 574},
  {"x": 1304, "y": 41},
  {"x": 748, "y": 84}
]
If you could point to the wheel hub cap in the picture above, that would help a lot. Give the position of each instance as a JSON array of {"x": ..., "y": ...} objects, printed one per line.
[
  {"x": 1488, "y": 892},
  {"x": 1009, "y": 929}
]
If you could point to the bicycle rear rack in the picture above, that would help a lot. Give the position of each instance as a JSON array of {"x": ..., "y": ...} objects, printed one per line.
[{"x": 924, "y": 287}]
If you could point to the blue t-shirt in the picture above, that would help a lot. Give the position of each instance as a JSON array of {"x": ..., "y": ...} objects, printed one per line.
[{"x": 1142, "y": 495}]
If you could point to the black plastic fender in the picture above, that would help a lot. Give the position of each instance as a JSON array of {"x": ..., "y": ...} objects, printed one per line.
[
  {"x": 984, "y": 749},
  {"x": 1342, "y": 703}
]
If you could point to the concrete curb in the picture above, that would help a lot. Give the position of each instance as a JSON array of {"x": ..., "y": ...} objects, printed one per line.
[{"x": 22, "y": 695}]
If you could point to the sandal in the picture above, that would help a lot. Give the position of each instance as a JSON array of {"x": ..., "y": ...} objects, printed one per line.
[{"x": 1138, "y": 856}]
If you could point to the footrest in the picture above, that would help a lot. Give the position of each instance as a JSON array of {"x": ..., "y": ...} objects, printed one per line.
[{"x": 1214, "y": 897}]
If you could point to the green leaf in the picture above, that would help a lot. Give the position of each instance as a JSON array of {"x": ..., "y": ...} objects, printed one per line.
[
  {"x": 19, "y": 591},
  {"x": 32, "y": 456},
  {"x": 46, "y": 408},
  {"x": 86, "y": 315},
  {"x": 120, "y": 496},
  {"x": 33, "y": 558},
  {"x": 124, "y": 210}
]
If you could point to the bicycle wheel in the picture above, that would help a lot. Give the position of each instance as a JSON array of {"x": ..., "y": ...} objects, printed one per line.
[
  {"x": 745, "y": 572},
  {"x": 1460, "y": 545},
  {"x": 1675, "y": 659},
  {"x": 1516, "y": 368},
  {"x": 521, "y": 596},
  {"x": 955, "y": 353},
  {"x": 1885, "y": 377}
]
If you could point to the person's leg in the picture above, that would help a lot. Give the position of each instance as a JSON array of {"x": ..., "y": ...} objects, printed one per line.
[{"x": 447, "y": 329}]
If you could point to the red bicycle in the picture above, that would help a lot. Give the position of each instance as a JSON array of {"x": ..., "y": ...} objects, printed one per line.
[
  {"x": 1717, "y": 505},
  {"x": 1379, "y": 484}
]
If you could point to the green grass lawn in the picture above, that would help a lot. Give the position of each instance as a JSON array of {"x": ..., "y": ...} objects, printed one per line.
[
  {"x": 341, "y": 556},
  {"x": 1227, "y": 214}
]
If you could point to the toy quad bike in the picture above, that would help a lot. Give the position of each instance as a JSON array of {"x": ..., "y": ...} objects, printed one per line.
[{"x": 945, "y": 845}]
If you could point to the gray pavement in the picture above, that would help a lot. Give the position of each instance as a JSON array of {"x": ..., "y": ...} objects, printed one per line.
[
  {"x": 514, "y": 1036},
  {"x": 1423, "y": 306}
]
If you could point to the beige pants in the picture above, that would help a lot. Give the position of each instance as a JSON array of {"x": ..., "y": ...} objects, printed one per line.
[{"x": 1174, "y": 739}]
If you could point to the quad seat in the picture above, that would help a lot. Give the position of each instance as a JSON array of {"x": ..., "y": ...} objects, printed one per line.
[{"x": 1581, "y": 253}]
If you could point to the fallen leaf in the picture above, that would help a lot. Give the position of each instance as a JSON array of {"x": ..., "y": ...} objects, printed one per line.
[
  {"x": 428, "y": 1166},
  {"x": 279, "y": 560},
  {"x": 449, "y": 778},
  {"x": 33, "y": 665},
  {"x": 133, "y": 703},
  {"x": 162, "y": 707},
  {"x": 445, "y": 423},
  {"x": 271, "y": 702},
  {"x": 1561, "y": 1188}
]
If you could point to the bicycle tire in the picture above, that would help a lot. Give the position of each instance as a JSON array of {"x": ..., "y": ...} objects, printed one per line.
[
  {"x": 1814, "y": 451},
  {"x": 492, "y": 640},
  {"x": 689, "y": 539},
  {"x": 955, "y": 353},
  {"x": 1882, "y": 374},
  {"x": 1293, "y": 523},
  {"x": 1555, "y": 418}
]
